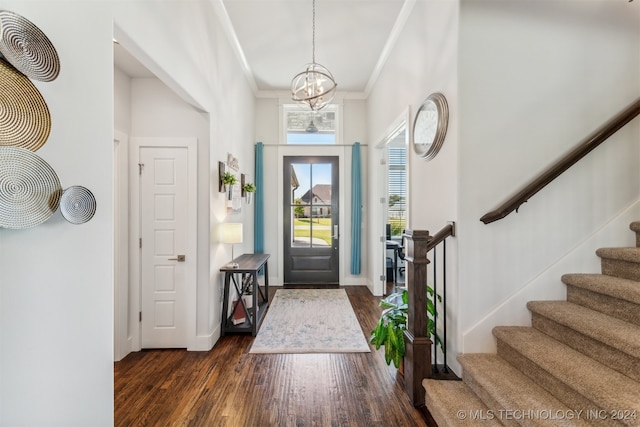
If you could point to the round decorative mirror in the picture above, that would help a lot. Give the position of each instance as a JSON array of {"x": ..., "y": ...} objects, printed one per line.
[{"x": 430, "y": 126}]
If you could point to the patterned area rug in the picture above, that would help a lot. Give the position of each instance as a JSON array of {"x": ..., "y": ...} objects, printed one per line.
[{"x": 310, "y": 321}]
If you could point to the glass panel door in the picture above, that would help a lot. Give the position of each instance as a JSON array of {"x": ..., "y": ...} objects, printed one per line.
[{"x": 311, "y": 226}]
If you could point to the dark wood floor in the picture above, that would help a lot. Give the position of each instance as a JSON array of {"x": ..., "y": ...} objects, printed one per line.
[{"x": 227, "y": 386}]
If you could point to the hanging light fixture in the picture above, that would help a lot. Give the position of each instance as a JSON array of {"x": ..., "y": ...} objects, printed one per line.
[
  {"x": 311, "y": 128},
  {"x": 314, "y": 85}
]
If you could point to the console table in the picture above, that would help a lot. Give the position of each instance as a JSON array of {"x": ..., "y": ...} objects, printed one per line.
[{"x": 244, "y": 278}]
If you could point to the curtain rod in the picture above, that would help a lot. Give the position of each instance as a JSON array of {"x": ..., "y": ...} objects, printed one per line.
[{"x": 311, "y": 145}]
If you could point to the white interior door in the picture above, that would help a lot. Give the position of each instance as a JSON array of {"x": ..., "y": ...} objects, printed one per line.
[{"x": 164, "y": 215}]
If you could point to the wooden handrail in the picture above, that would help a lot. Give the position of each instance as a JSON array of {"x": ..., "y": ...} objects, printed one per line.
[
  {"x": 572, "y": 157},
  {"x": 446, "y": 231}
]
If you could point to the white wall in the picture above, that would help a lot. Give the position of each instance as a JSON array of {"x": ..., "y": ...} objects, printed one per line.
[
  {"x": 56, "y": 285},
  {"x": 122, "y": 101},
  {"x": 525, "y": 80},
  {"x": 122, "y": 293},
  {"x": 214, "y": 104},
  {"x": 535, "y": 78},
  {"x": 423, "y": 61},
  {"x": 56, "y": 306}
]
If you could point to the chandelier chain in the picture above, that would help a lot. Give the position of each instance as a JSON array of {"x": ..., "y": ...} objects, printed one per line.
[{"x": 313, "y": 34}]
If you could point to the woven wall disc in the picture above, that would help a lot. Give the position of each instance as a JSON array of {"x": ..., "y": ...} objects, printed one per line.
[
  {"x": 78, "y": 205},
  {"x": 24, "y": 116},
  {"x": 30, "y": 190},
  {"x": 27, "y": 48}
]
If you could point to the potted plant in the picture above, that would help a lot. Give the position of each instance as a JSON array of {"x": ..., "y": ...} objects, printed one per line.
[
  {"x": 249, "y": 188},
  {"x": 389, "y": 332},
  {"x": 229, "y": 180}
]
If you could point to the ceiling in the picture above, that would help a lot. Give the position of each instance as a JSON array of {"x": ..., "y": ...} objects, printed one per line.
[{"x": 274, "y": 38}]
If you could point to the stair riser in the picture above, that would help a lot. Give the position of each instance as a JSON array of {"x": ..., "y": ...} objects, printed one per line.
[
  {"x": 446, "y": 400},
  {"x": 562, "y": 391},
  {"x": 623, "y": 269},
  {"x": 597, "y": 350},
  {"x": 487, "y": 399},
  {"x": 606, "y": 304}
]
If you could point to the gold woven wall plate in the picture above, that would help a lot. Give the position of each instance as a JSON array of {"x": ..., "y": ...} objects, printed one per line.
[
  {"x": 25, "y": 120},
  {"x": 30, "y": 190},
  {"x": 27, "y": 48}
]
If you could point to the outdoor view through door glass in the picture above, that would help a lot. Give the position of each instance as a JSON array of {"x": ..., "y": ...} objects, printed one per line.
[{"x": 311, "y": 209}]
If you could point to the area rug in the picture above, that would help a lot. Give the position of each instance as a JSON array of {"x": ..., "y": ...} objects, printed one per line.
[{"x": 310, "y": 321}]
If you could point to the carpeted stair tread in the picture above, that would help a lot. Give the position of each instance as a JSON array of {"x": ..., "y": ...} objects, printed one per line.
[
  {"x": 616, "y": 333},
  {"x": 453, "y": 404},
  {"x": 604, "y": 387},
  {"x": 511, "y": 395},
  {"x": 631, "y": 254},
  {"x": 626, "y": 289}
]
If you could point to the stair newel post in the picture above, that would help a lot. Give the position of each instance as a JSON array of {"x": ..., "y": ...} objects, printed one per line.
[{"x": 417, "y": 359}]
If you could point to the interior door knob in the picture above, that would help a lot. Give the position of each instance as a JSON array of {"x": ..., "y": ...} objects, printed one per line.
[{"x": 180, "y": 258}]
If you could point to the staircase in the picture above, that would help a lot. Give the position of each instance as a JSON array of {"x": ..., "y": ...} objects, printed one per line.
[{"x": 577, "y": 365}]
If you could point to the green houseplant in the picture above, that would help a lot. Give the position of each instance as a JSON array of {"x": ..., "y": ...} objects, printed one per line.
[
  {"x": 229, "y": 179},
  {"x": 389, "y": 332},
  {"x": 249, "y": 187}
]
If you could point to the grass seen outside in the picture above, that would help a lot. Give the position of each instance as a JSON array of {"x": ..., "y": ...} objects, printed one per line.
[
  {"x": 398, "y": 225},
  {"x": 321, "y": 228}
]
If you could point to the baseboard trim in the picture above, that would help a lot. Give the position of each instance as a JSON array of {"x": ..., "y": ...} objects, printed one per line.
[{"x": 205, "y": 342}]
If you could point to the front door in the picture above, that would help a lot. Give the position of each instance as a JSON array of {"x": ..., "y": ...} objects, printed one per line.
[
  {"x": 164, "y": 214},
  {"x": 311, "y": 221}
]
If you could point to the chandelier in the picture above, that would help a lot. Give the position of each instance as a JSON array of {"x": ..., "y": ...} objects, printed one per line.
[{"x": 314, "y": 86}]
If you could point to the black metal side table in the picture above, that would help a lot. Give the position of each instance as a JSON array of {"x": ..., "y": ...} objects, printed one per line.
[{"x": 244, "y": 278}]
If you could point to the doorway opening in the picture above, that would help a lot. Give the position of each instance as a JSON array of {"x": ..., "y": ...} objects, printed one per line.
[{"x": 394, "y": 203}]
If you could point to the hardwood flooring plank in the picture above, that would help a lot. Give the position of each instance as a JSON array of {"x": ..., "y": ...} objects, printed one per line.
[{"x": 229, "y": 387}]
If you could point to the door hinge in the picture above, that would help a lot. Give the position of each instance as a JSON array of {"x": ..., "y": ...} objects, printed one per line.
[
  {"x": 140, "y": 316},
  {"x": 140, "y": 167},
  {"x": 140, "y": 243},
  {"x": 383, "y": 278},
  {"x": 383, "y": 239}
]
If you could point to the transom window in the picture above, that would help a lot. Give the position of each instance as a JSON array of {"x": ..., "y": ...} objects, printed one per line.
[{"x": 310, "y": 127}]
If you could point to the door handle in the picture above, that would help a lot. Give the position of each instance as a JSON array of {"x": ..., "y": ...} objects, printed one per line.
[
  {"x": 180, "y": 258},
  {"x": 335, "y": 232}
]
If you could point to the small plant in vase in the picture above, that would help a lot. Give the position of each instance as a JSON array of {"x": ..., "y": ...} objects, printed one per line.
[
  {"x": 249, "y": 188},
  {"x": 229, "y": 180}
]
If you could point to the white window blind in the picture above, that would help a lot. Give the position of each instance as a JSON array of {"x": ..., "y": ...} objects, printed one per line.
[{"x": 397, "y": 189}]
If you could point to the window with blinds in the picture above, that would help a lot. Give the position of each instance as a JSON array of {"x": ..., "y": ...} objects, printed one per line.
[{"x": 397, "y": 189}]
